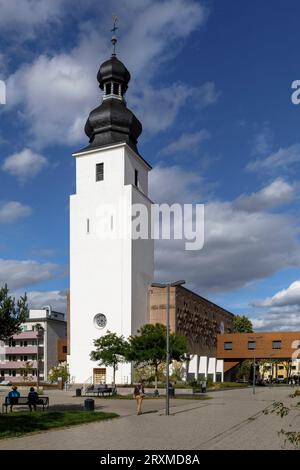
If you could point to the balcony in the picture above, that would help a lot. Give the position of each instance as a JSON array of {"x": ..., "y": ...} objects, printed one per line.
[
  {"x": 20, "y": 350},
  {"x": 26, "y": 335},
  {"x": 16, "y": 365}
]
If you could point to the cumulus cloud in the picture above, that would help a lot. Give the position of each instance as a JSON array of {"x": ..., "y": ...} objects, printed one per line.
[
  {"x": 284, "y": 298},
  {"x": 188, "y": 187},
  {"x": 20, "y": 274},
  {"x": 26, "y": 14},
  {"x": 12, "y": 211},
  {"x": 282, "y": 159},
  {"x": 238, "y": 247},
  {"x": 58, "y": 91},
  {"x": 275, "y": 321},
  {"x": 277, "y": 193},
  {"x": 187, "y": 142},
  {"x": 25, "y": 164},
  {"x": 38, "y": 299}
]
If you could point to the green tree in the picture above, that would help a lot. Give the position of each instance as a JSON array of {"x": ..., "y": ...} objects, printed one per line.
[
  {"x": 148, "y": 347},
  {"x": 110, "y": 350},
  {"x": 59, "y": 371},
  {"x": 12, "y": 314},
  {"x": 244, "y": 370},
  {"x": 242, "y": 324},
  {"x": 26, "y": 371}
]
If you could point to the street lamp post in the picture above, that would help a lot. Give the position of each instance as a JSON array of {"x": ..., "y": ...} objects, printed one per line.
[
  {"x": 254, "y": 375},
  {"x": 168, "y": 285},
  {"x": 39, "y": 328}
]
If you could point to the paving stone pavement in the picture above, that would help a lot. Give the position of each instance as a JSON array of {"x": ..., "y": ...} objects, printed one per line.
[{"x": 232, "y": 419}]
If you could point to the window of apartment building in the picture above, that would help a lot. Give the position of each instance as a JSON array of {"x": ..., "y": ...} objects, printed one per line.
[
  {"x": 280, "y": 376},
  {"x": 11, "y": 344},
  {"x": 99, "y": 171},
  {"x": 65, "y": 349},
  {"x": 251, "y": 344},
  {"x": 228, "y": 345},
  {"x": 2, "y": 373},
  {"x": 280, "y": 367},
  {"x": 294, "y": 367},
  {"x": 276, "y": 344}
]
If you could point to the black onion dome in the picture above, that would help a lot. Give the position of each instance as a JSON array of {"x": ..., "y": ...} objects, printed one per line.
[
  {"x": 112, "y": 122},
  {"x": 113, "y": 69}
]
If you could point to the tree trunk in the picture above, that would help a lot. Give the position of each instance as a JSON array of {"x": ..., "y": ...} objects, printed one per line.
[
  {"x": 114, "y": 376},
  {"x": 156, "y": 376}
]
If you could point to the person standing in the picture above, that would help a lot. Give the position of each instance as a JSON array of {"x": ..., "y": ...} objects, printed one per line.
[
  {"x": 13, "y": 396},
  {"x": 139, "y": 394},
  {"x": 32, "y": 399}
]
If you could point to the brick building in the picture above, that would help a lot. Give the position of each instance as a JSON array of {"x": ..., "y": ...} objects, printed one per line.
[
  {"x": 196, "y": 318},
  {"x": 235, "y": 348}
]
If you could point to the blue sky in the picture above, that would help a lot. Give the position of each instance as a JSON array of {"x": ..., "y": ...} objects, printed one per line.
[{"x": 211, "y": 83}]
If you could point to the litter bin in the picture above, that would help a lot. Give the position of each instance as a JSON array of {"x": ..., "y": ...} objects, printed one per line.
[
  {"x": 171, "y": 392},
  {"x": 78, "y": 392},
  {"x": 89, "y": 404}
]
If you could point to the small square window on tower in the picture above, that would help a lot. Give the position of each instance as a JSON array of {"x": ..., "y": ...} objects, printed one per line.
[{"x": 99, "y": 171}]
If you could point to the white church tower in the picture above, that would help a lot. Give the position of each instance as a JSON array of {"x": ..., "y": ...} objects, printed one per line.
[{"x": 109, "y": 272}]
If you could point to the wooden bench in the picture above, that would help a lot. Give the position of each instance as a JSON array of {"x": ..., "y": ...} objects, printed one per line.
[{"x": 23, "y": 401}]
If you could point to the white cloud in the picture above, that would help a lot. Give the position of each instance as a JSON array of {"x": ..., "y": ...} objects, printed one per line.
[
  {"x": 275, "y": 194},
  {"x": 38, "y": 299},
  {"x": 286, "y": 297},
  {"x": 27, "y": 14},
  {"x": 238, "y": 246},
  {"x": 25, "y": 164},
  {"x": 187, "y": 142},
  {"x": 283, "y": 321},
  {"x": 172, "y": 184},
  {"x": 57, "y": 92},
  {"x": 263, "y": 142},
  {"x": 282, "y": 159},
  {"x": 20, "y": 274},
  {"x": 12, "y": 211}
]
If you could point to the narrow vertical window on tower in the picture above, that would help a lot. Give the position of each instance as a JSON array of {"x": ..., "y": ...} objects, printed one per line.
[
  {"x": 136, "y": 178},
  {"x": 99, "y": 171},
  {"x": 87, "y": 225},
  {"x": 116, "y": 88},
  {"x": 108, "y": 88}
]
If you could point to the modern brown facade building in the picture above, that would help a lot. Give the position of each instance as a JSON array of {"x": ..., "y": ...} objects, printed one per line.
[
  {"x": 235, "y": 348},
  {"x": 196, "y": 318}
]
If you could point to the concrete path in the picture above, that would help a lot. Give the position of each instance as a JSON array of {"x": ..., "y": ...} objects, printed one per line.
[{"x": 231, "y": 420}]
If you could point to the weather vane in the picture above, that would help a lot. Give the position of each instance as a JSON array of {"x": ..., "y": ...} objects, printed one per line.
[{"x": 114, "y": 38}]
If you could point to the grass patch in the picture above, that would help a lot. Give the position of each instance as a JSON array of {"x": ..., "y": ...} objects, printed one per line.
[{"x": 18, "y": 424}]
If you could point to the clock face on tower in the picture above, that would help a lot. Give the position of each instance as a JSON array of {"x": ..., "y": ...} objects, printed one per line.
[{"x": 100, "y": 321}]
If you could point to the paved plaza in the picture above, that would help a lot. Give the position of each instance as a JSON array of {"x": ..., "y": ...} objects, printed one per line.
[{"x": 232, "y": 419}]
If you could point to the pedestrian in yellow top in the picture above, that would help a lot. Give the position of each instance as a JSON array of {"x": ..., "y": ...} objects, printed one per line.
[{"x": 139, "y": 394}]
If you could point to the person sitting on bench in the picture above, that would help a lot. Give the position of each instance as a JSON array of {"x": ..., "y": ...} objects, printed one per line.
[
  {"x": 32, "y": 399},
  {"x": 13, "y": 396}
]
